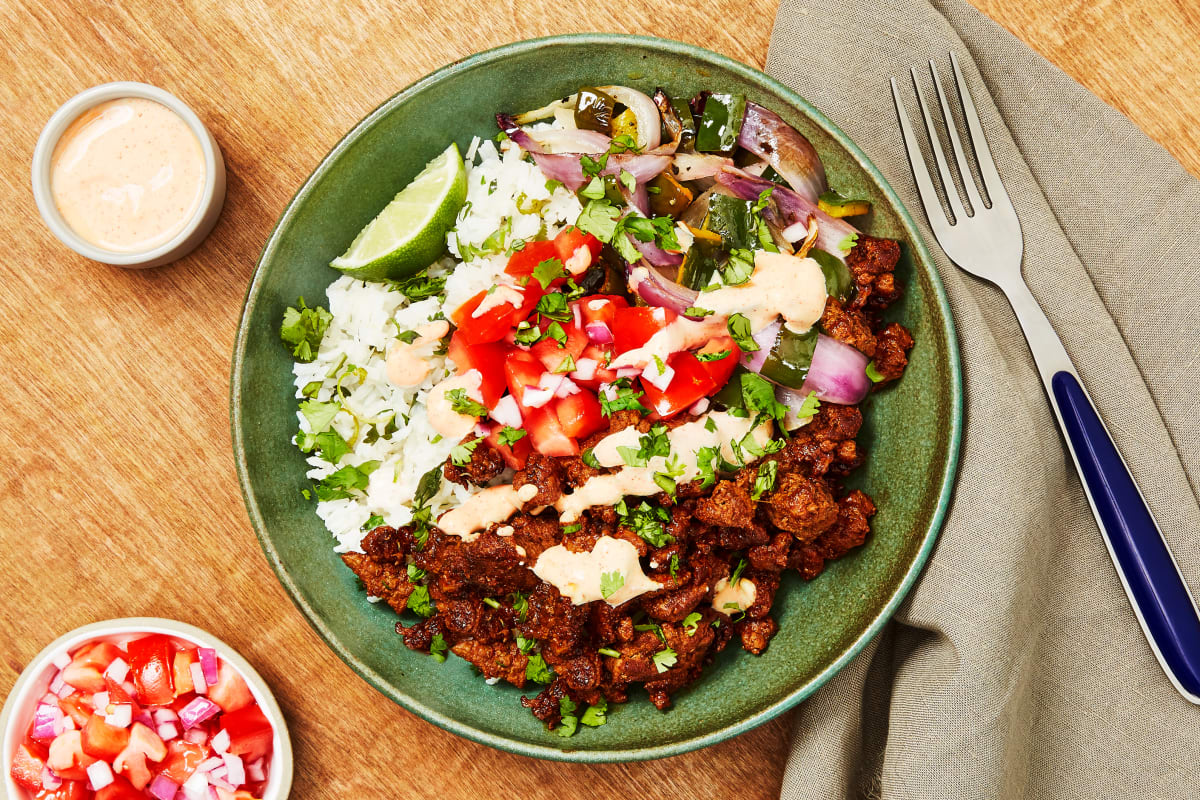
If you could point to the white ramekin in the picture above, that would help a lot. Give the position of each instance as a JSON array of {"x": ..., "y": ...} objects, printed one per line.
[
  {"x": 197, "y": 227},
  {"x": 35, "y": 680}
]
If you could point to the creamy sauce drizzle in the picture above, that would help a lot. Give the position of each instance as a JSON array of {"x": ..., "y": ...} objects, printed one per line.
[
  {"x": 127, "y": 175},
  {"x": 781, "y": 285},
  {"x": 727, "y": 596},
  {"x": 682, "y": 334},
  {"x": 485, "y": 508},
  {"x": 578, "y": 575},
  {"x": 408, "y": 364},
  {"x": 442, "y": 416},
  {"x": 499, "y": 296}
]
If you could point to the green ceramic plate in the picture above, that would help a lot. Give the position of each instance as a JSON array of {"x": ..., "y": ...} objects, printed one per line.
[{"x": 912, "y": 430}]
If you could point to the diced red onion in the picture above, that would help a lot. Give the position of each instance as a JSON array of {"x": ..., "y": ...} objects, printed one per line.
[
  {"x": 658, "y": 291},
  {"x": 627, "y": 372},
  {"x": 235, "y": 770},
  {"x": 168, "y": 731},
  {"x": 45, "y": 721},
  {"x": 648, "y": 120},
  {"x": 765, "y": 134},
  {"x": 197, "y": 711},
  {"x": 699, "y": 407},
  {"x": 536, "y": 398},
  {"x": 659, "y": 380},
  {"x": 838, "y": 373},
  {"x": 694, "y": 166},
  {"x": 209, "y": 764},
  {"x": 99, "y": 775},
  {"x": 577, "y": 314},
  {"x": 162, "y": 715},
  {"x": 199, "y": 682},
  {"x": 256, "y": 771},
  {"x": 121, "y": 716},
  {"x": 50, "y": 780},
  {"x": 100, "y": 702},
  {"x": 220, "y": 741},
  {"x": 195, "y": 736},
  {"x": 57, "y": 684},
  {"x": 219, "y": 779},
  {"x": 196, "y": 787},
  {"x": 118, "y": 670},
  {"x": 147, "y": 719},
  {"x": 654, "y": 254},
  {"x": 598, "y": 332},
  {"x": 507, "y": 412},
  {"x": 585, "y": 369},
  {"x": 765, "y": 339},
  {"x": 62, "y": 660},
  {"x": 793, "y": 208},
  {"x": 572, "y": 140},
  {"x": 208, "y": 662},
  {"x": 163, "y": 788}
]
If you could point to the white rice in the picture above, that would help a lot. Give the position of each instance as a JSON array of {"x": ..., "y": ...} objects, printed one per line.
[{"x": 362, "y": 333}]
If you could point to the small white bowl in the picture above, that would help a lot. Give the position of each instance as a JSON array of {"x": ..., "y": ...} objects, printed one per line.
[
  {"x": 197, "y": 228},
  {"x": 35, "y": 680}
]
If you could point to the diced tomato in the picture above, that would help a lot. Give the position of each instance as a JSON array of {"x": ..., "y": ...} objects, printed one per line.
[
  {"x": 487, "y": 359},
  {"x": 67, "y": 758},
  {"x": 520, "y": 370},
  {"x": 547, "y": 433},
  {"x": 249, "y": 732},
  {"x": 182, "y": 759},
  {"x": 722, "y": 368},
  {"x": 567, "y": 243},
  {"x": 601, "y": 355},
  {"x": 579, "y": 414},
  {"x": 515, "y": 455},
  {"x": 633, "y": 327},
  {"x": 151, "y": 661},
  {"x": 27, "y": 766},
  {"x": 230, "y": 692},
  {"x": 77, "y": 707},
  {"x": 181, "y": 669},
  {"x": 119, "y": 789},
  {"x": 691, "y": 382},
  {"x": 68, "y": 790},
  {"x": 528, "y": 257},
  {"x": 552, "y": 355},
  {"x": 601, "y": 308},
  {"x": 494, "y": 323},
  {"x": 86, "y": 670},
  {"x": 101, "y": 740}
]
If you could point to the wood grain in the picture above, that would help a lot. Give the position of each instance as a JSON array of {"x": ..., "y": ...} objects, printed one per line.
[{"x": 119, "y": 496}]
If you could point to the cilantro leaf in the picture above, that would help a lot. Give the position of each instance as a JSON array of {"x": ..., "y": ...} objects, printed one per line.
[
  {"x": 331, "y": 446},
  {"x": 759, "y": 396},
  {"x": 373, "y": 522},
  {"x": 693, "y": 311},
  {"x": 566, "y": 709},
  {"x": 319, "y": 415},
  {"x": 520, "y": 604},
  {"x": 739, "y": 329},
  {"x": 809, "y": 407},
  {"x": 527, "y": 334},
  {"x": 664, "y": 659},
  {"x": 627, "y": 180},
  {"x": 594, "y": 189},
  {"x": 419, "y": 287},
  {"x": 737, "y": 572},
  {"x": 408, "y": 337},
  {"x": 647, "y": 521},
  {"x": 608, "y": 651},
  {"x": 438, "y": 648},
  {"x": 428, "y": 486},
  {"x": 674, "y": 568},
  {"x": 415, "y": 573},
  {"x": 691, "y": 622},
  {"x": 564, "y": 366},
  {"x": 739, "y": 268},
  {"x": 611, "y": 583},
  {"x": 573, "y": 527},
  {"x": 623, "y": 398},
  {"x": 553, "y": 305},
  {"x": 462, "y": 404},
  {"x": 713, "y": 356},
  {"x": 764, "y": 481},
  {"x": 460, "y": 454},
  {"x": 419, "y": 602},
  {"x": 303, "y": 328},
  {"x": 599, "y": 218},
  {"x": 872, "y": 373},
  {"x": 596, "y": 715},
  {"x": 509, "y": 436},
  {"x": 589, "y": 457},
  {"x": 345, "y": 482},
  {"x": 537, "y": 670},
  {"x": 547, "y": 271},
  {"x": 555, "y": 331},
  {"x": 847, "y": 244}
]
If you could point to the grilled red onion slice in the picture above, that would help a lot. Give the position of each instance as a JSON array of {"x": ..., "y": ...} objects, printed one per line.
[
  {"x": 838, "y": 373},
  {"x": 765, "y": 134},
  {"x": 648, "y": 122},
  {"x": 575, "y": 140},
  {"x": 792, "y": 207},
  {"x": 655, "y": 255},
  {"x": 694, "y": 166},
  {"x": 598, "y": 332},
  {"x": 657, "y": 290}
]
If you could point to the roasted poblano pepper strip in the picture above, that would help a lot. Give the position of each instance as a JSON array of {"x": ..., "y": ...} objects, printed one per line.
[
  {"x": 668, "y": 197},
  {"x": 721, "y": 123},
  {"x": 733, "y": 219},
  {"x": 837, "y": 205},
  {"x": 730, "y": 395},
  {"x": 700, "y": 262},
  {"x": 788, "y": 362},
  {"x": 594, "y": 110},
  {"x": 839, "y": 282},
  {"x": 684, "y": 110}
]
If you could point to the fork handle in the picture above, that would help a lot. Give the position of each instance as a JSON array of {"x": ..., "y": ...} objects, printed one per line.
[{"x": 1152, "y": 580}]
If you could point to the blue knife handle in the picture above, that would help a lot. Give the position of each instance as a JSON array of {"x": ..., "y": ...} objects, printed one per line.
[{"x": 1151, "y": 577}]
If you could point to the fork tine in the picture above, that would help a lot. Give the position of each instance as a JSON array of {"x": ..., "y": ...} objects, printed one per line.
[
  {"x": 956, "y": 143},
  {"x": 983, "y": 154},
  {"x": 952, "y": 198},
  {"x": 925, "y": 187}
]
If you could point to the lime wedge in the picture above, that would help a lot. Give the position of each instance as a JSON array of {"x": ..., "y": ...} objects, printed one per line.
[{"x": 410, "y": 233}]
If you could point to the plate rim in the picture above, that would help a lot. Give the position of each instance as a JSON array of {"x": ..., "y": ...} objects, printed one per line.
[{"x": 787, "y": 702}]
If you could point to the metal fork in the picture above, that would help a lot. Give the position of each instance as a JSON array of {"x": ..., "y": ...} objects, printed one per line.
[{"x": 986, "y": 242}]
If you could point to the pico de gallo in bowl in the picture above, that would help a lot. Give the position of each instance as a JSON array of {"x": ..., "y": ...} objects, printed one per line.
[{"x": 143, "y": 708}]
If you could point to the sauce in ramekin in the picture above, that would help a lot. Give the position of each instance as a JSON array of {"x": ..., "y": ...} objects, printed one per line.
[{"x": 127, "y": 175}]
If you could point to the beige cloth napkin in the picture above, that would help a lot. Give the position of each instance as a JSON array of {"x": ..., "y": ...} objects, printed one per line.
[{"x": 1016, "y": 668}]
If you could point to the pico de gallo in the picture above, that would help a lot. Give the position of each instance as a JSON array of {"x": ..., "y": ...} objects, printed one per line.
[{"x": 153, "y": 717}]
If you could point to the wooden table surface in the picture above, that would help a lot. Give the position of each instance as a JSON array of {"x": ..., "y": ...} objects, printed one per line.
[{"x": 119, "y": 496}]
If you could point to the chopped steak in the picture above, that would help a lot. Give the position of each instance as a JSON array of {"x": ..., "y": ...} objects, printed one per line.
[
  {"x": 544, "y": 474},
  {"x": 891, "y": 357},
  {"x": 484, "y": 465}
]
